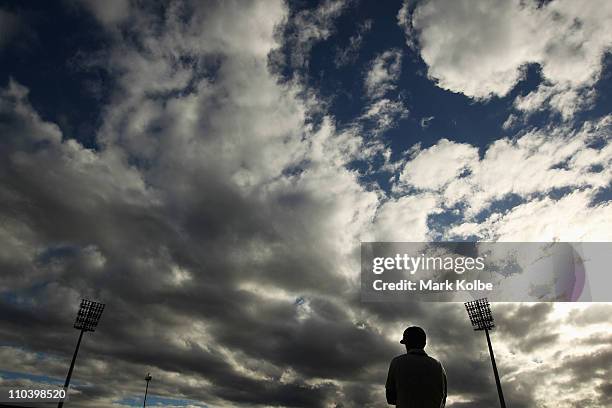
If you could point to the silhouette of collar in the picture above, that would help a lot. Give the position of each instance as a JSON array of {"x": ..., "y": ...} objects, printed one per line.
[{"x": 417, "y": 351}]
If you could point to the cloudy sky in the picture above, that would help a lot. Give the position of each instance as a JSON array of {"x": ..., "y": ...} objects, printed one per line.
[{"x": 208, "y": 168}]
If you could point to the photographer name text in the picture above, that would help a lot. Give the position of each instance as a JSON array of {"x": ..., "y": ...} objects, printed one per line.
[{"x": 431, "y": 285}]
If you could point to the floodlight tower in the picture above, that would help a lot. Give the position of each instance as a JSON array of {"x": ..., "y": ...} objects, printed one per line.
[
  {"x": 482, "y": 319},
  {"x": 87, "y": 319},
  {"x": 147, "y": 379}
]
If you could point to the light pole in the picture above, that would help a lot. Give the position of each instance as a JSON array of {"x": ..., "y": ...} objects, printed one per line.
[
  {"x": 147, "y": 379},
  {"x": 482, "y": 319},
  {"x": 87, "y": 319}
]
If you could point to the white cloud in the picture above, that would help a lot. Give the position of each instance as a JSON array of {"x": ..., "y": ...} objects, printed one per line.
[
  {"x": 534, "y": 168},
  {"x": 573, "y": 218},
  {"x": 433, "y": 168},
  {"x": 381, "y": 78},
  {"x": 404, "y": 219},
  {"x": 425, "y": 122},
  {"x": 385, "y": 113},
  {"x": 535, "y": 163},
  {"x": 404, "y": 19},
  {"x": 564, "y": 99},
  {"x": 481, "y": 48},
  {"x": 383, "y": 74}
]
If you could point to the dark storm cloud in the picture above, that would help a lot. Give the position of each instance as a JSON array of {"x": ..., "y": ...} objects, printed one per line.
[
  {"x": 598, "y": 313},
  {"x": 588, "y": 367},
  {"x": 594, "y": 368},
  {"x": 114, "y": 242},
  {"x": 125, "y": 254},
  {"x": 525, "y": 326},
  {"x": 323, "y": 345},
  {"x": 605, "y": 393},
  {"x": 597, "y": 339}
]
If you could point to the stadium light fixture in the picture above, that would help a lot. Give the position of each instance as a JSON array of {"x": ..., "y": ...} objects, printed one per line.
[
  {"x": 87, "y": 319},
  {"x": 481, "y": 317},
  {"x": 147, "y": 379}
]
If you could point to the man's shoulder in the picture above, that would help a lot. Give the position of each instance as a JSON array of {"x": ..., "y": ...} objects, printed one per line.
[
  {"x": 399, "y": 358},
  {"x": 409, "y": 357},
  {"x": 434, "y": 360}
]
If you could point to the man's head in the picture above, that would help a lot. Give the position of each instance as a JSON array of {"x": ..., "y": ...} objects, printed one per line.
[{"x": 414, "y": 338}]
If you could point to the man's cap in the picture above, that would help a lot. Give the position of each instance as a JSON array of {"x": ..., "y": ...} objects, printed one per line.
[{"x": 414, "y": 334}]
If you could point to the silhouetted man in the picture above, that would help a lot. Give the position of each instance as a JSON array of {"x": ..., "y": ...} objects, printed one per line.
[{"x": 416, "y": 380}]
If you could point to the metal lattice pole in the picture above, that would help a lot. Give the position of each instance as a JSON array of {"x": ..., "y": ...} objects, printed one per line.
[
  {"x": 87, "y": 319},
  {"x": 481, "y": 318},
  {"x": 147, "y": 379}
]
